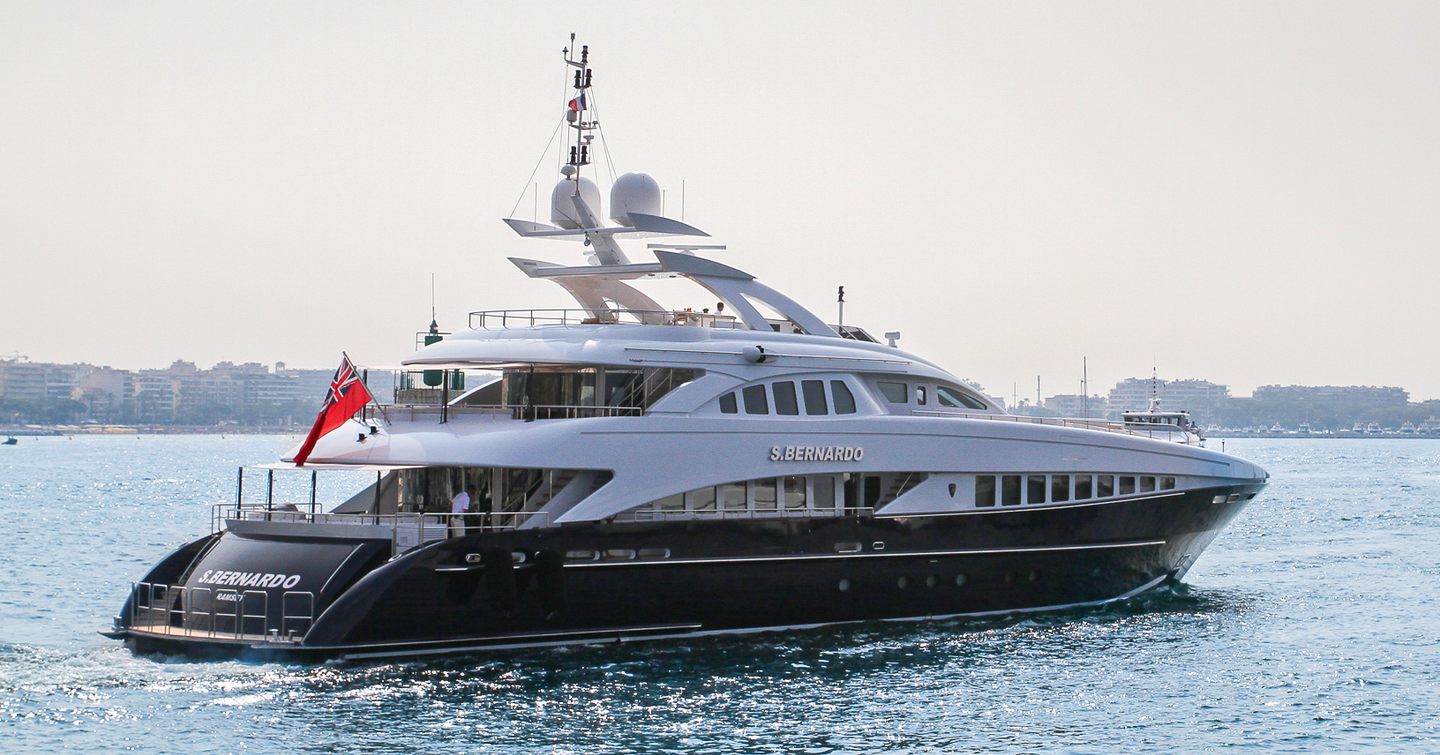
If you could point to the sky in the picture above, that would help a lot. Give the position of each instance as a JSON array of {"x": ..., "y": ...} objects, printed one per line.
[{"x": 1244, "y": 192}]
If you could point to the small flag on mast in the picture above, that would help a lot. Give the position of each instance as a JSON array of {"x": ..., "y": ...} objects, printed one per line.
[
  {"x": 346, "y": 396},
  {"x": 578, "y": 103}
]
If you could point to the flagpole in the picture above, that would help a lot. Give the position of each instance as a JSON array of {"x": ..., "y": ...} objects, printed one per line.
[{"x": 378, "y": 408}]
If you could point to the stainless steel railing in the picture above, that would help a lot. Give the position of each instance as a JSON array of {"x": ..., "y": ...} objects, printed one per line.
[
  {"x": 1104, "y": 425},
  {"x": 407, "y": 529},
  {"x": 504, "y": 319},
  {"x": 170, "y": 610}
]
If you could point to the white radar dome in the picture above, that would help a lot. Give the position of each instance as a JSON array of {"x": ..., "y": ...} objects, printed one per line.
[
  {"x": 562, "y": 202},
  {"x": 633, "y": 192}
]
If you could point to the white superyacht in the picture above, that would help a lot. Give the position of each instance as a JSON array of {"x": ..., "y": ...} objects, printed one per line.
[{"x": 630, "y": 470}]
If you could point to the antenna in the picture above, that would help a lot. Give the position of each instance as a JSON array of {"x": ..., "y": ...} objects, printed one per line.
[
  {"x": 1084, "y": 387},
  {"x": 433, "y": 325},
  {"x": 840, "y": 299}
]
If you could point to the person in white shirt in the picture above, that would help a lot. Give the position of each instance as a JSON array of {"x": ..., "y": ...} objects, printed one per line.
[{"x": 460, "y": 504}]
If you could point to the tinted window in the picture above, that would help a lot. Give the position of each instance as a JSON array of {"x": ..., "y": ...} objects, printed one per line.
[
  {"x": 895, "y": 393},
  {"x": 1104, "y": 486},
  {"x": 785, "y": 398},
  {"x": 824, "y": 493},
  {"x": 794, "y": 495},
  {"x": 1035, "y": 488},
  {"x": 764, "y": 493},
  {"x": 1147, "y": 484},
  {"x": 985, "y": 490},
  {"x": 957, "y": 399},
  {"x": 1127, "y": 485},
  {"x": 1167, "y": 483},
  {"x": 1060, "y": 487},
  {"x": 755, "y": 401},
  {"x": 732, "y": 496},
  {"x": 1082, "y": 487},
  {"x": 727, "y": 403},
  {"x": 1010, "y": 489},
  {"x": 701, "y": 500},
  {"x": 814, "y": 396},
  {"x": 844, "y": 400}
]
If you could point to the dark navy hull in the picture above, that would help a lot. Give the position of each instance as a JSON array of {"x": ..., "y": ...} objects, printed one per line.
[{"x": 685, "y": 578}]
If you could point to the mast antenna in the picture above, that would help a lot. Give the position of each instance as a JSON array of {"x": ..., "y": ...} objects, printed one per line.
[
  {"x": 433, "y": 323},
  {"x": 840, "y": 300}
]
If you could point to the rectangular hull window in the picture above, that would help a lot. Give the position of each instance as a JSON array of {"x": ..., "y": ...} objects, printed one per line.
[
  {"x": 1060, "y": 487},
  {"x": 1010, "y": 490},
  {"x": 1035, "y": 488},
  {"x": 985, "y": 490}
]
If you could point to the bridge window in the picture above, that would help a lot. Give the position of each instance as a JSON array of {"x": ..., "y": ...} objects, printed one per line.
[
  {"x": 957, "y": 399},
  {"x": 727, "y": 404},
  {"x": 1167, "y": 483},
  {"x": 921, "y": 395},
  {"x": 785, "y": 398},
  {"x": 1082, "y": 487},
  {"x": 814, "y": 397},
  {"x": 1104, "y": 485},
  {"x": 844, "y": 400},
  {"x": 1147, "y": 484},
  {"x": 1127, "y": 485},
  {"x": 895, "y": 393}
]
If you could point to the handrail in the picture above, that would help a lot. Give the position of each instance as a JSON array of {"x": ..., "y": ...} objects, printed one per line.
[
  {"x": 1103, "y": 425},
  {"x": 642, "y": 515},
  {"x": 505, "y": 319},
  {"x": 160, "y": 608},
  {"x": 468, "y": 522}
]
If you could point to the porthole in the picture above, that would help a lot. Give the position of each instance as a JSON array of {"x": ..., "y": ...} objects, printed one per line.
[
  {"x": 959, "y": 580},
  {"x": 619, "y": 554},
  {"x": 582, "y": 555},
  {"x": 844, "y": 585},
  {"x": 654, "y": 553},
  {"x": 1034, "y": 575},
  {"x": 931, "y": 581},
  {"x": 902, "y": 582}
]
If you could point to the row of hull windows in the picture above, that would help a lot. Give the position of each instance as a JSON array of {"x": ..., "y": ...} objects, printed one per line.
[
  {"x": 1014, "y": 489},
  {"x": 770, "y": 495},
  {"x": 807, "y": 495},
  {"x": 782, "y": 395}
]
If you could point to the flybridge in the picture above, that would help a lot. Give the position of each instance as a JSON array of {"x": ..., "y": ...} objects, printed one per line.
[{"x": 603, "y": 287}]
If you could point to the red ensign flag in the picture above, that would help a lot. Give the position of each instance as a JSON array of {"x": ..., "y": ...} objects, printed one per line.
[{"x": 347, "y": 395}]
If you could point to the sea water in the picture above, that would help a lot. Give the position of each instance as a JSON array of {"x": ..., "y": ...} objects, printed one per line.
[{"x": 1312, "y": 623}]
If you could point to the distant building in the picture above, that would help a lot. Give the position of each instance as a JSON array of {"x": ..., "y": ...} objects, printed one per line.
[
  {"x": 1204, "y": 400},
  {"x": 1078, "y": 405}
]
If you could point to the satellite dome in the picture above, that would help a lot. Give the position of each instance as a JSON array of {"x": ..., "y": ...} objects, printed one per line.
[
  {"x": 633, "y": 192},
  {"x": 562, "y": 202}
]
